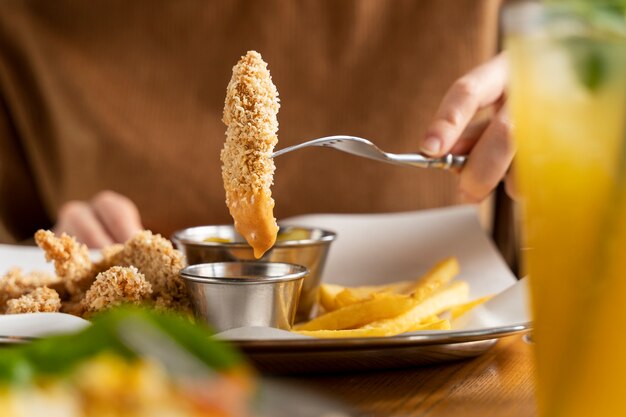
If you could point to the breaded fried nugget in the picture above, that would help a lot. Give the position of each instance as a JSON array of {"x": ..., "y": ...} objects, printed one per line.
[
  {"x": 110, "y": 255},
  {"x": 71, "y": 260},
  {"x": 250, "y": 114},
  {"x": 40, "y": 300},
  {"x": 16, "y": 283},
  {"x": 157, "y": 259},
  {"x": 115, "y": 286},
  {"x": 73, "y": 307}
]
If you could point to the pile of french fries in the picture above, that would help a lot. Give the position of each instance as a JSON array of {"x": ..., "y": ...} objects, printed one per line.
[{"x": 388, "y": 310}]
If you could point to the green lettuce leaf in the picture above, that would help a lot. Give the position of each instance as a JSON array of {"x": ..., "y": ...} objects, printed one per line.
[{"x": 59, "y": 355}]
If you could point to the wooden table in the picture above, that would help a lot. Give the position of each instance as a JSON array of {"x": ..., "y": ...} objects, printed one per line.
[{"x": 498, "y": 383}]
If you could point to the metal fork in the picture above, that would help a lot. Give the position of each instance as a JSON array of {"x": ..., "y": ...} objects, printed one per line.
[{"x": 366, "y": 149}]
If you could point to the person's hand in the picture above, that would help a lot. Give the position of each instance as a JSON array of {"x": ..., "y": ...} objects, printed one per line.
[
  {"x": 107, "y": 218},
  {"x": 460, "y": 127}
]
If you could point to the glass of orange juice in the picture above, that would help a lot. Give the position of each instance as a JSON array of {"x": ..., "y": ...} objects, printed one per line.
[{"x": 568, "y": 105}]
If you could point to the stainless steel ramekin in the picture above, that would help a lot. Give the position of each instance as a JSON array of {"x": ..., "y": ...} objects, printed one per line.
[
  {"x": 227, "y": 295},
  {"x": 303, "y": 246}
]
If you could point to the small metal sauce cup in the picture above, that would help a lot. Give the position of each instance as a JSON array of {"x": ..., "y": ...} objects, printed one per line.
[
  {"x": 309, "y": 248},
  {"x": 227, "y": 295}
]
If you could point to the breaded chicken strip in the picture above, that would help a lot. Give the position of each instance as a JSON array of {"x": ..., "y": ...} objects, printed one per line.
[
  {"x": 16, "y": 283},
  {"x": 41, "y": 300},
  {"x": 160, "y": 263},
  {"x": 115, "y": 286},
  {"x": 250, "y": 114},
  {"x": 71, "y": 260}
]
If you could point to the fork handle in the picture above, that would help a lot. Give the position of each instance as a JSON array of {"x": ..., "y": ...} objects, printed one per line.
[{"x": 447, "y": 161}]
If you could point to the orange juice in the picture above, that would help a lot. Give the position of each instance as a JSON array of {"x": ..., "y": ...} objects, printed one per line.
[{"x": 568, "y": 103}]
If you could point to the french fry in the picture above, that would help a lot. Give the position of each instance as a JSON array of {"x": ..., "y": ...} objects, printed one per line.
[
  {"x": 375, "y": 332},
  {"x": 458, "y": 311},
  {"x": 391, "y": 309},
  {"x": 381, "y": 306},
  {"x": 428, "y": 320},
  {"x": 334, "y": 296},
  {"x": 332, "y": 334},
  {"x": 436, "y": 278},
  {"x": 328, "y": 295},
  {"x": 433, "y": 325},
  {"x": 357, "y": 294},
  {"x": 444, "y": 299},
  {"x": 419, "y": 316},
  {"x": 400, "y": 287}
]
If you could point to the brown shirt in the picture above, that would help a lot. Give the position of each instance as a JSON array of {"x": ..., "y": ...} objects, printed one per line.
[{"x": 128, "y": 96}]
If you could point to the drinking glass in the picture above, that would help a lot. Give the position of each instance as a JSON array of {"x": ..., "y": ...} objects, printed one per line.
[{"x": 568, "y": 106}]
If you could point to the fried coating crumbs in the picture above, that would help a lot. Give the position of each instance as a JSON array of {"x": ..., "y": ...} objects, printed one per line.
[
  {"x": 16, "y": 283},
  {"x": 155, "y": 257},
  {"x": 250, "y": 114},
  {"x": 145, "y": 268},
  {"x": 115, "y": 286},
  {"x": 71, "y": 260},
  {"x": 40, "y": 300}
]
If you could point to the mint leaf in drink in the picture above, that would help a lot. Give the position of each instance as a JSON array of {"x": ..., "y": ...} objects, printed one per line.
[
  {"x": 593, "y": 26},
  {"x": 618, "y": 6},
  {"x": 589, "y": 62}
]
